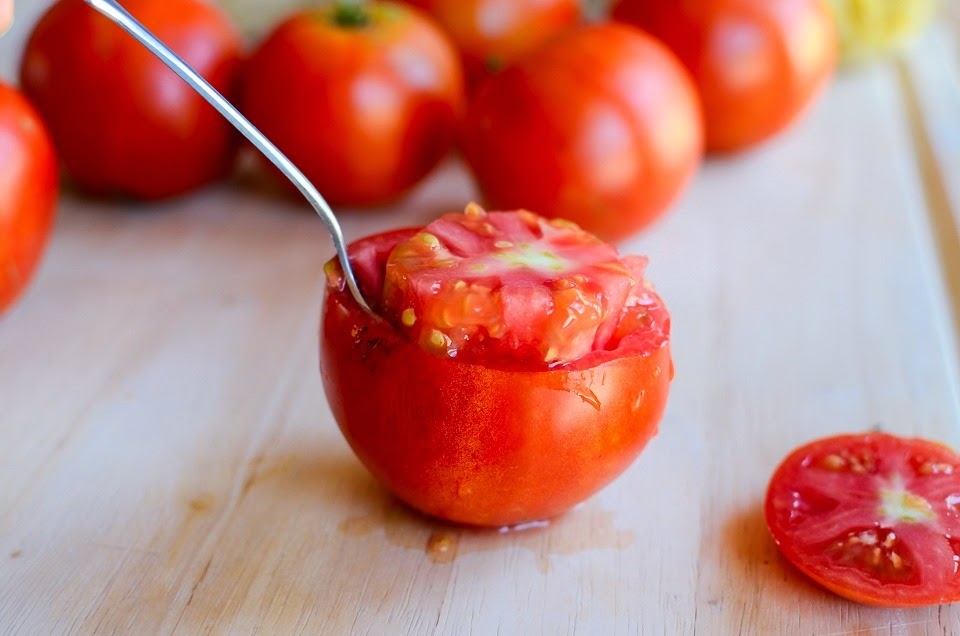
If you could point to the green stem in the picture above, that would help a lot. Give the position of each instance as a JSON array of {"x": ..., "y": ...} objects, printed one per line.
[{"x": 351, "y": 14}]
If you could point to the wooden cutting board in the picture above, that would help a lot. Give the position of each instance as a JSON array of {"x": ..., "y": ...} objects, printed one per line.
[{"x": 170, "y": 463}]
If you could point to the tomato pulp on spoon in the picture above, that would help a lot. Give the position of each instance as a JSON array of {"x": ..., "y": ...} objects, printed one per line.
[
  {"x": 874, "y": 518},
  {"x": 519, "y": 366}
]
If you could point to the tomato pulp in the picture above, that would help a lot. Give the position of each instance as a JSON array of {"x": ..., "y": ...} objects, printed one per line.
[
  {"x": 28, "y": 192},
  {"x": 485, "y": 434},
  {"x": 874, "y": 518},
  {"x": 758, "y": 64}
]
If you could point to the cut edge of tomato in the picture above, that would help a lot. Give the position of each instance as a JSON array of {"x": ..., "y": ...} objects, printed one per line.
[{"x": 646, "y": 335}]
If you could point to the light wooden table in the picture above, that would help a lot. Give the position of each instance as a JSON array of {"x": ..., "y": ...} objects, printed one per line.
[{"x": 170, "y": 464}]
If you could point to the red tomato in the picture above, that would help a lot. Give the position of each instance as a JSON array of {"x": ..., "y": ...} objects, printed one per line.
[
  {"x": 28, "y": 192},
  {"x": 600, "y": 126},
  {"x": 123, "y": 122},
  {"x": 757, "y": 63},
  {"x": 464, "y": 432},
  {"x": 365, "y": 100},
  {"x": 874, "y": 518},
  {"x": 492, "y": 34}
]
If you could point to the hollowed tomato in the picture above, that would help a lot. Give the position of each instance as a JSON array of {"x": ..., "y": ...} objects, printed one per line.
[
  {"x": 874, "y": 518},
  {"x": 518, "y": 365}
]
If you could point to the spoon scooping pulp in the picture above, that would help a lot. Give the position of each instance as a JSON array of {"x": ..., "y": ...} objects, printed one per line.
[{"x": 116, "y": 13}]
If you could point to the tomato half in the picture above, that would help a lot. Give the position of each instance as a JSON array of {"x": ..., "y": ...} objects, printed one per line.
[
  {"x": 874, "y": 518},
  {"x": 492, "y": 34},
  {"x": 758, "y": 64},
  {"x": 466, "y": 433},
  {"x": 365, "y": 99},
  {"x": 600, "y": 126},
  {"x": 28, "y": 192},
  {"x": 124, "y": 123}
]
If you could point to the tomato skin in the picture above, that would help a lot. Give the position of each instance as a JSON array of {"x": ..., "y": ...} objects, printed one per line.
[
  {"x": 475, "y": 444},
  {"x": 810, "y": 504},
  {"x": 601, "y": 126},
  {"x": 366, "y": 112},
  {"x": 123, "y": 123},
  {"x": 29, "y": 186},
  {"x": 758, "y": 64},
  {"x": 492, "y": 34}
]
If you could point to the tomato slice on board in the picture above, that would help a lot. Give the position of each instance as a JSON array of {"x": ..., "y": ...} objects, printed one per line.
[
  {"x": 513, "y": 287},
  {"x": 874, "y": 518}
]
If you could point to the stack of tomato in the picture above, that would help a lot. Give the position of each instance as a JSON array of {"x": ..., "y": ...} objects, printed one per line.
[{"x": 602, "y": 124}]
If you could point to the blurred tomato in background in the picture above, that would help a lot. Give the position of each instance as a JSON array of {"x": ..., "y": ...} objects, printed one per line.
[
  {"x": 492, "y": 34},
  {"x": 758, "y": 64},
  {"x": 122, "y": 122},
  {"x": 28, "y": 192},
  {"x": 600, "y": 126},
  {"x": 364, "y": 98}
]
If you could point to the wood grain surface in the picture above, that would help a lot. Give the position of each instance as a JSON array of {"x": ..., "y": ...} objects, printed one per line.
[{"x": 170, "y": 464}]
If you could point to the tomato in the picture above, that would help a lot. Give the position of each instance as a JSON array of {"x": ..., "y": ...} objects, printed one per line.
[
  {"x": 492, "y": 34},
  {"x": 480, "y": 439},
  {"x": 122, "y": 122},
  {"x": 758, "y": 64},
  {"x": 874, "y": 518},
  {"x": 366, "y": 100},
  {"x": 600, "y": 126},
  {"x": 28, "y": 192}
]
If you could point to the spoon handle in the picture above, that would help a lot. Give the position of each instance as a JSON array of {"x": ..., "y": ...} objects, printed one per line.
[{"x": 115, "y": 12}]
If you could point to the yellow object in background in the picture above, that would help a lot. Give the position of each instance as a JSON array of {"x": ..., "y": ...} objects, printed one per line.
[{"x": 869, "y": 28}]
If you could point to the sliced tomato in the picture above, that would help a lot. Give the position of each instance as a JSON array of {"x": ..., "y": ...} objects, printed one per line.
[
  {"x": 874, "y": 518},
  {"x": 509, "y": 287}
]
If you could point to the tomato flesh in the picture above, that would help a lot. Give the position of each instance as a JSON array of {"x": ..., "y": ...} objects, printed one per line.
[
  {"x": 480, "y": 438},
  {"x": 874, "y": 518},
  {"x": 504, "y": 287}
]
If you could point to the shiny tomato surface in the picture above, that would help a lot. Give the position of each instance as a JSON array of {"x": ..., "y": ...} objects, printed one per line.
[
  {"x": 758, "y": 64},
  {"x": 492, "y": 34},
  {"x": 483, "y": 439},
  {"x": 600, "y": 126},
  {"x": 365, "y": 100},
  {"x": 124, "y": 123},
  {"x": 874, "y": 518},
  {"x": 28, "y": 192}
]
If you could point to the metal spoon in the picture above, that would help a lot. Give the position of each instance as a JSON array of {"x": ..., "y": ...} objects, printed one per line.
[{"x": 112, "y": 10}]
